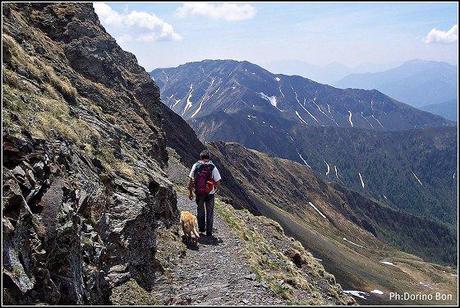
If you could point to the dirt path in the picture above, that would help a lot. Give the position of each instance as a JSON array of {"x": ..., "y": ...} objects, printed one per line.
[{"x": 214, "y": 274}]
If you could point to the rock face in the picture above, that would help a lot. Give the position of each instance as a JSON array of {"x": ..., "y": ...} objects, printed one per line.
[{"x": 84, "y": 190}]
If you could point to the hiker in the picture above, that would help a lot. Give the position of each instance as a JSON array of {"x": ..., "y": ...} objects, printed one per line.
[{"x": 205, "y": 180}]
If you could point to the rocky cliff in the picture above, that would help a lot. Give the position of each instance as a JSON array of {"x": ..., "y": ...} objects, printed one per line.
[{"x": 84, "y": 148}]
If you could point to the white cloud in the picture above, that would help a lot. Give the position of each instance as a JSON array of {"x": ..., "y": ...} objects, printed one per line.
[
  {"x": 225, "y": 11},
  {"x": 135, "y": 25},
  {"x": 439, "y": 36}
]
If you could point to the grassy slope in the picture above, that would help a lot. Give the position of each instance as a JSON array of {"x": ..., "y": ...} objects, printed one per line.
[{"x": 355, "y": 267}]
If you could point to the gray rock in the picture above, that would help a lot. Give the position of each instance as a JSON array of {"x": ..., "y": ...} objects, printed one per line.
[{"x": 251, "y": 276}]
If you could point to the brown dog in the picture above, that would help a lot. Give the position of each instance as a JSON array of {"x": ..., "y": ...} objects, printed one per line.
[{"x": 189, "y": 227}]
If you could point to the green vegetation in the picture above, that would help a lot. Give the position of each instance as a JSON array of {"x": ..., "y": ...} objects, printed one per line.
[
  {"x": 130, "y": 293},
  {"x": 44, "y": 116},
  {"x": 38, "y": 100},
  {"x": 36, "y": 69},
  {"x": 271, "y": 266}
]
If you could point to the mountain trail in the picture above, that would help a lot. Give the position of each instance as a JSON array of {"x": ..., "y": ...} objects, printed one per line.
[{"x": 214, "y": 273}]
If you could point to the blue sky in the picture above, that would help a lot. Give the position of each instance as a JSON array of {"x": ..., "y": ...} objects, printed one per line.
[{"x": 170, "y": 34}]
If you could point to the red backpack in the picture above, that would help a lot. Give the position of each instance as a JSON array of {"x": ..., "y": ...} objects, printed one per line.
[{"x": 203, "y": 178}]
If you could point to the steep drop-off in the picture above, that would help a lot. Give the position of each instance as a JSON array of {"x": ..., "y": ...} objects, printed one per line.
[{"x": 359, "y": 240}]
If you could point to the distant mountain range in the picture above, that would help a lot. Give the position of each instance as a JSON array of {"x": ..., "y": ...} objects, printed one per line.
[
  {"x": 329, "y": 73},
  {"x": 416, "y": 82},
  {"x": 283, "y": 115},
  {"x": 197, "y": 89}
]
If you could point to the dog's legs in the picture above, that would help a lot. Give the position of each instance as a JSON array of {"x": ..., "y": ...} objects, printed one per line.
[
  {"x": 183, "y": 227},
  {"x": 195, "y": 228},
  {"x": 196, "y": 234}
]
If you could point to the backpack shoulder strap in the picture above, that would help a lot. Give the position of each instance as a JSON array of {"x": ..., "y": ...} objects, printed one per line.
[{"x": 197, "y": 167}]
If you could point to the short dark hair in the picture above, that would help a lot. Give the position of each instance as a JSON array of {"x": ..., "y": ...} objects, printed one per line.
[{"x": 205, "y": 154}]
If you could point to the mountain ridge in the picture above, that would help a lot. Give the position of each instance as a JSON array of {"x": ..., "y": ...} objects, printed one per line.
[
  {"x": 448, "y": 110},
  {"x": 233, "y": 85}
]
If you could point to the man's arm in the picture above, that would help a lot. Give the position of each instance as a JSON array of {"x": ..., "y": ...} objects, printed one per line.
[
  {"x": 217, "y": 185},
  {"x": 190, "y": 182},
  {"x": 190, "y": 189},
  {"x": 216, "y": 177}
]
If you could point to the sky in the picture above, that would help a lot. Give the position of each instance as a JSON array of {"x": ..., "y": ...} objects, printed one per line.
[{"x": 169, "y": 34}]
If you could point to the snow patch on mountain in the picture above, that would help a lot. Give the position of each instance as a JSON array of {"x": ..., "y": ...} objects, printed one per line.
[
  {"x": 353, "y": 243},
  {"x": 377, "y": 121},
  {"x": 316, "y": 209},
  {"x": 199, "y": 107},
  {"x": 361, "y": 178},
  {"x": 189, "y": 102},
  {"x": 300, "y": 118},
  {"x": 281, "y": 92},
  {"x": 304, "y": 161},
  {"x": 307, "y": 110},
  {"x": 416, "y": 177},
  {"x": 349, "y": 118},
  {"x": 328, "y": 168},
  {"x": 360, "y": 294},
  {"x": 176, "y": 102},
  {"x": 321, "y": 110},
  {"x": 270, "y": 99},
  {"x": 366, "y": 120}
]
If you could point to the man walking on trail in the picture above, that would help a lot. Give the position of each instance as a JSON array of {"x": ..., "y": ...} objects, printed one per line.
[{"x": 205, "y": 180}]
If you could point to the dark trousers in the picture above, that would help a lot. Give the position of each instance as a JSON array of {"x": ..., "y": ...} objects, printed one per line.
[{"x": 205, "y": 212}]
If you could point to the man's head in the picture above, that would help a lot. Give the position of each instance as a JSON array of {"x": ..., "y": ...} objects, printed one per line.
[{"x": 205, "y": 155}]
